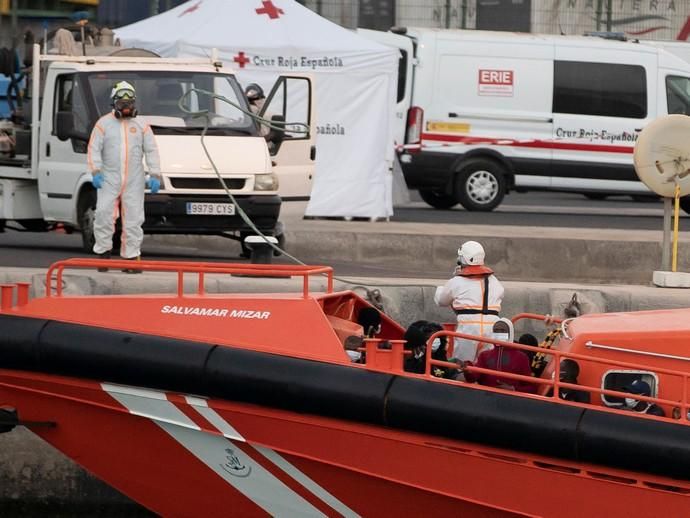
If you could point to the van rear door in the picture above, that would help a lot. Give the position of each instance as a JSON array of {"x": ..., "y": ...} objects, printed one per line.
[
  {"x": 290, "y": 106},
  {"x": 599, "y": 108}
]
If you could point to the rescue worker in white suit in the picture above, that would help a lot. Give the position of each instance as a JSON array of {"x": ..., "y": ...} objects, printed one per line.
[
  {"x": 475, "y": 295},
  {"x": 119, "y": 141}
]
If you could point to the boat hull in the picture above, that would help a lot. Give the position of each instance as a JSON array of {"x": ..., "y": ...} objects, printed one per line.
[{"x": 182, "y": 455}]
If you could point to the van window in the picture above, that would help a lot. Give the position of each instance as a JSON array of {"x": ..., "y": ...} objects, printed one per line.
[
  {"x": 603, "y": 89},
  {"x": 402, "y": 75},
  {"x": 618, "y": 379},
  {"x": 678, "y": 94}
]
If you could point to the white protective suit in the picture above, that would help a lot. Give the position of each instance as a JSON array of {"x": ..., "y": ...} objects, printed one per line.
[
  {"x": 466, "y": 293},
  {"x": 116, "y": 149}
]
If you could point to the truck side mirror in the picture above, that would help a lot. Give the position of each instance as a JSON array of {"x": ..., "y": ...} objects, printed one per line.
[
  {"x": 64, "y": 127},
  {"x": 276, "y": 136}
]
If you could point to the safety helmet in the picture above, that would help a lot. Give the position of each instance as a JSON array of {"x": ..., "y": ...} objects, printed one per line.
[
  {"x": 254, "y": 92},
  {"x": 122, "y": 90},
  {"x": 471, "y": 253},
  {"x": 638, "y": 387}
]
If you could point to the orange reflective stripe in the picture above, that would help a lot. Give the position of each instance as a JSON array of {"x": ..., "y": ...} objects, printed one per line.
[
  {"x": 122, "y": 187},
  {"x": 89, "y": 158}
]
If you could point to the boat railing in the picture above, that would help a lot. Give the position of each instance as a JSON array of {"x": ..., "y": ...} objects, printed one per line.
[
  {"x": 199, "y": 268},
  {"x": 555, "y": 383}
]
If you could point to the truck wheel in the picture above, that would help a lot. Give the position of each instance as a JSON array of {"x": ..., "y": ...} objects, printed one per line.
[
  {"x": 281, "y": 244},
  {"x": 87, "y": 216},
  {"x": 438, "y": 199},
  {"x": 480, "y": 185}
]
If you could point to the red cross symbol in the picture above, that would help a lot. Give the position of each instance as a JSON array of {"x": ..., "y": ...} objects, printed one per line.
[
  {"x": 271, "y": 10},
  {"x": 241, "y": 59},
  {"x": 190, "y": 9}
]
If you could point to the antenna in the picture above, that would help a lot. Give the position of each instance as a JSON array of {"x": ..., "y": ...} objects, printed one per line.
[{"x": 662, "y": 162}]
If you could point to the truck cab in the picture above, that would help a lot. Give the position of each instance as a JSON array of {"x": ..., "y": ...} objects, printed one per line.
[{"x": 74, "y": 92}]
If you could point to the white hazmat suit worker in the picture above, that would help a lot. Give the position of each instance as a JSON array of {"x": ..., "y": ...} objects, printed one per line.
[
  {"x": 475, "y": 295},
  {"x": 119, "y": 142}
]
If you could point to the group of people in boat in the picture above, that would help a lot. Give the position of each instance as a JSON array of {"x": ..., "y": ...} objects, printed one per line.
[{"x": 475, "y": 294}]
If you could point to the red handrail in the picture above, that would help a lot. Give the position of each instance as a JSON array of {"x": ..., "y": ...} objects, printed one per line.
[
  {"x": 200, "y": 268},
  {"x": 555, "y": 382}
]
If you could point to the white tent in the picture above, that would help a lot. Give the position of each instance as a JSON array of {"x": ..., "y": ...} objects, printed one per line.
[{"x": 355, "y": 82}]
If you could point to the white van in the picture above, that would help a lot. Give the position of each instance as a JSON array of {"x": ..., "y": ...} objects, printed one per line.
[{"x": 482, "y": 112}]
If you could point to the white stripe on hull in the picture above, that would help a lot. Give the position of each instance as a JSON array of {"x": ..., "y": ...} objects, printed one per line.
[{"x": 218, "y": 453}]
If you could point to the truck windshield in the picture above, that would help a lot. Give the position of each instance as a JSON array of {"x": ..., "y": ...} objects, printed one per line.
[
  {"x": 678, "y": 94},
  {"x": 158, "y": 95}
]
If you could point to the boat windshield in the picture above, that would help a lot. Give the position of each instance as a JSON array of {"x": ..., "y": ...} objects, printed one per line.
[{"x": 158, "y": 96}]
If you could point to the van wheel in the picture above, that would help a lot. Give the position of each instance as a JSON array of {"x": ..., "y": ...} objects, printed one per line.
[
  {"x": 480, "y": 185},
  {"x": 438, "y": 199}
]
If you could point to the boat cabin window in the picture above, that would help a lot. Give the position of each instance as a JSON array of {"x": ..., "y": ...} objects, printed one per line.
[{"x": 618, "y": 379}]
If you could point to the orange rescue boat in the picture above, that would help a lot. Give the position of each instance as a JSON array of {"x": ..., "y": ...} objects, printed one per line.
[{"x": 246, "y": 404}]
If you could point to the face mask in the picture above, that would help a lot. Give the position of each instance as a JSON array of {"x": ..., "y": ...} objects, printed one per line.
[
  {"x": 630, "y": 402},
  {"x": 504, "y": 337},
  {"x": 355, "y": 356},
  {"x": 435, "y": 344}
]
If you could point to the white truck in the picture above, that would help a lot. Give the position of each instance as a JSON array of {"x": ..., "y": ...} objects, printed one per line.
[
  {"x": 45, "y": 181},
  {"x": 481, "y": 113}
]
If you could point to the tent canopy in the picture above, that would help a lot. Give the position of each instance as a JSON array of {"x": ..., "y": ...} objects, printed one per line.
[
  {"x": 267, "y": 24},
  {"x": 355, "y": 81}
]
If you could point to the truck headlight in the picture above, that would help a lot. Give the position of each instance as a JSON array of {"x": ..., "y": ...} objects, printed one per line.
[{"x": 266, "y": 182}]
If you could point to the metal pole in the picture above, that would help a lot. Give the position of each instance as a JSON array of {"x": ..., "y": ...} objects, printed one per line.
[
  {"x": 600, "y": 4},
  {"x": 13, "y": 23},
  {"x": 463, "y": 22},
  {"x": 609, "y": 15},
  {"x": 447, "y": 9},
  {"x": 666, "y": 242}
]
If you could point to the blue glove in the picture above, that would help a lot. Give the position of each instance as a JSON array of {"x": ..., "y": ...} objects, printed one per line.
[
  {"x": 154, "y": 184},
  {"x": 97, "y": 180}
]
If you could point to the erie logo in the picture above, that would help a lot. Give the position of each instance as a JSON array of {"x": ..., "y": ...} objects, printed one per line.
[
  {"x": 495, "y": 77},
  {"x": 498, "y": 83}
]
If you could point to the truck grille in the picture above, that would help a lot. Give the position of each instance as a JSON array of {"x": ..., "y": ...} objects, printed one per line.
[{"x": 207, "y": 183}]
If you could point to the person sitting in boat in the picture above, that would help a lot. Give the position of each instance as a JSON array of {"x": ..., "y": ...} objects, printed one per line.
[
  {"x": 370, "y": 320},
  {"x": 353, "y": 344},
  {"x": 644, "y": 407},
  {"x": 529, "y": 339},
  {"x": 504, "y": 359},
  {"x": 569, "y": 371},
  {"x": 475, "y": 295},
  {"x": 417, "y": 337}
]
